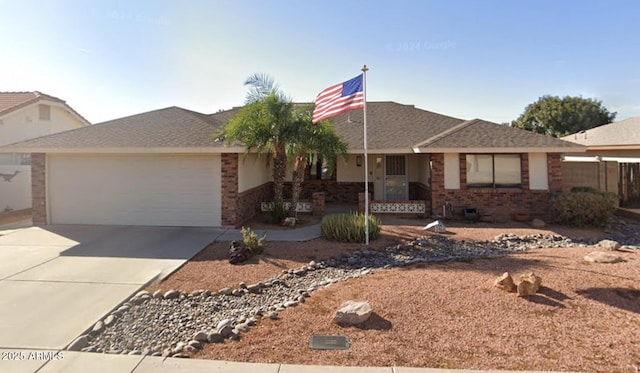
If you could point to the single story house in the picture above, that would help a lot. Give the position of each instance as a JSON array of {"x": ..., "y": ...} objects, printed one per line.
[
  {"x": 166, "y": 167},
  {"x": 611, "y": 162},
  {"x": 23, "y": 116}
]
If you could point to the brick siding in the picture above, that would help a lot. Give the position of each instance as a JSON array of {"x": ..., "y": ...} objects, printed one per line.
[
  {"x": 502, "y": 204},
  {"x": 39, "y": 188},
  {"x": 229, "y": 189}
]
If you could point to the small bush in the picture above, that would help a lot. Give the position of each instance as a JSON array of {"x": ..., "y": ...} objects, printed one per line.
[
  {"x": 582, "y": 209},
  {"x": 251, "y": 241},
  {"x": 584, "y": 189},
  {"x": 278, "y": 212},
  {"x": 349, "y": 227}
]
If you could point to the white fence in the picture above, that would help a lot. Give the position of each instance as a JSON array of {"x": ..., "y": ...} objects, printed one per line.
[{"x": 15, "y": 188}]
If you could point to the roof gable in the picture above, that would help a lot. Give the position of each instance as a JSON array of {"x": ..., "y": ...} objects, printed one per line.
[
  {"x": 478, "y": 134},
  {"x": 12, "y": 101},
  {"x": 169, "y": 127}
]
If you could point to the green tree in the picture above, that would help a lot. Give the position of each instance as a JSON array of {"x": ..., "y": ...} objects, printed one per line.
[
  {"x": 270, "y": 123},
  {"x": 555, "y": 116},
  {"x": 309, "y": 140},
  {"x": 264, "y": 124}
]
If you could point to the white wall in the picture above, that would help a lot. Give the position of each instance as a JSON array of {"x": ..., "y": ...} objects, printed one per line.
[
  {"x": 349, "y": 172},
  {"x": 253, "y": 171},
  {"x": 15, "y": 191},
  {"x": 538, "y": 176},
  {"x": 24, "y": 124},
  {"x": 451, "y": 171}
]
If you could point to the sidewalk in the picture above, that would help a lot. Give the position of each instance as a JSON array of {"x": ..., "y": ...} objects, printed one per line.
[{"x": 72, "y": 362}]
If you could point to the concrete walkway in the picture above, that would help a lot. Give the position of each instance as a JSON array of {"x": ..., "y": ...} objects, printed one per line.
[{"x": 57, "y": 281}]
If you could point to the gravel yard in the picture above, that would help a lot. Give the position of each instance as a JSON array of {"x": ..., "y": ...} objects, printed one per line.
[{"x": 433, "y": 298}]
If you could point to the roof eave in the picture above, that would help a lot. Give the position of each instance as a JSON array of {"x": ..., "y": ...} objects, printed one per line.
[
  {"x": 126, "y": 150},
  {"x": 577, "y": 149}
]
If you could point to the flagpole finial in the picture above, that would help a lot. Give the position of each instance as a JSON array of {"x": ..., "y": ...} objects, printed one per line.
[{"x": 364, "y": 69}]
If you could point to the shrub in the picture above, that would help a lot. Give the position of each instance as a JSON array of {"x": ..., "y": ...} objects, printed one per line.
[
  {"x": 278, "y": 212},
  {"x": 584, "y": 208},
  {"x": 251, "y": 241},
  {"x": 349, "y": 227},
  {"x": 584, "y": 189}
]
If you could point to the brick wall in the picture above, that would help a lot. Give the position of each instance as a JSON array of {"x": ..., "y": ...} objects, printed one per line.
[
  {"x": 39, "y": 188},
  {"x": 229, "y": 189},
  {"x": 502, "y": 204},
  {"x": 248, "y": 204}
]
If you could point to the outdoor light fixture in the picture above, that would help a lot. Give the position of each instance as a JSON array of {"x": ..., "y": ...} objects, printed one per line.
[{"x": 359, "y": 160}]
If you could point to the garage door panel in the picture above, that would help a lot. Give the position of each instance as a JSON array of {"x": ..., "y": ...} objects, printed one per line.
[{"x": 134, "y": 190}]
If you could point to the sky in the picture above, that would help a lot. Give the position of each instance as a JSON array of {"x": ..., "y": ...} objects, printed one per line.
[{"x": 468, "y": 59}]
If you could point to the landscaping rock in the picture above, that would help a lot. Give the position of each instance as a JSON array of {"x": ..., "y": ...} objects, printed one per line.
[
  {"x": 290, "y": 222},
  {"x": 436, "y": 226},
  {"x": 171, "y": 294},
  {"x": 226, "y": 291},
  {"x": 602, "y": 257},
  {"x": 529, "y": 285},
  {"x": 215, "y": 338},
  {"x": 505, "y": 282},
  {"x": 109, "y": 320},
  {"x": 200, "y": 337},
  {"x": 239, "y": 256},
  {"x": 609, "y": 245},
  {"x": 97, "y": 328},
  {"x": 353, "y": 313}
]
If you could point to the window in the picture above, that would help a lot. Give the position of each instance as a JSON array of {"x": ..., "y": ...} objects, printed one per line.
[
  {"x": 25, "y": 159},
  {"x": 321, "y": 169},
  {"x": 45, "y": 112},
  {"x": 494, "y": 171}
]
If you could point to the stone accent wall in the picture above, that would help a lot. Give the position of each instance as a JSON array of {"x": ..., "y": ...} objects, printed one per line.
[
  {"x": 501, "y": 204},
  {"x": 39, "y": 188},
  {"x": 249, "y": 201},
  {"x": 229, "y": 189}
]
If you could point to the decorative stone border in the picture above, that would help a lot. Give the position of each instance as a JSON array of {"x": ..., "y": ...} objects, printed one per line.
[
  {"x": 303, "y": 206},
  {"x": 400, "y": 207}
]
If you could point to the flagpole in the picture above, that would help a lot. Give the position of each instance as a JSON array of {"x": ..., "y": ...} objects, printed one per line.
[{"x": 366, "y": 158}]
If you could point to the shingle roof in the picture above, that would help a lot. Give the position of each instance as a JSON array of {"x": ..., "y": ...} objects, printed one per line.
[
  {"x": 392, "y": 128},
  {"x": 12, "y": 101},
  {"x": 623, "y": 133},
  {"x": 477, "y": 133},
  {"x": 169, "y": 127}
]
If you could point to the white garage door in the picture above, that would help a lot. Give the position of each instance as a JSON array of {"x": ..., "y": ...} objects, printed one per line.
[{"x": 171, "y": 190}]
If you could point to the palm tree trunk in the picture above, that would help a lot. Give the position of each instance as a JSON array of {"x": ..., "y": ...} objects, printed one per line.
[
  {"x": 298, "y": 176},
  {"x": 279, "y": 172}
]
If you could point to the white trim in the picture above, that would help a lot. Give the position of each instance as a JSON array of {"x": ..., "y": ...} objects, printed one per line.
[
  {"x": 577, "y": 158},
  {"x": 622, "y": 159}
]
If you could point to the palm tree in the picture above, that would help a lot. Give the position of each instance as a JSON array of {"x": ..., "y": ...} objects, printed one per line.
[
  {"x": 271, "y": 123},
  {"x": 308, "y": 139},
  {"x": 265, "y": 125}
]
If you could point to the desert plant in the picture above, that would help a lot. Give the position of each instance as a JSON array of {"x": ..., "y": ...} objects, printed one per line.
[
  {"x": 277, "y": 212},
  {"x": 582, "y": 209},
  {"x": 251, "y": 241},
  {"x": 349, "y": 227}
]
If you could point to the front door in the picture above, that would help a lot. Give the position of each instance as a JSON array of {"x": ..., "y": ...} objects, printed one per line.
[{"x": 395, "y": 178}]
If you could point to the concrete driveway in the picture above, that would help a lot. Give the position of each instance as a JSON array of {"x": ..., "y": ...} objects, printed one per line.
[{"x": 57, "y": 281}]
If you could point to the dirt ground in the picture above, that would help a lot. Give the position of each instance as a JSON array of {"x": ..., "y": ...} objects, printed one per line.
[{"x": 585, "y": 318}]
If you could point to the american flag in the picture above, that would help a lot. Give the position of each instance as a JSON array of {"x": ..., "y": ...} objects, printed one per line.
[{"x": 339, "y": 99}]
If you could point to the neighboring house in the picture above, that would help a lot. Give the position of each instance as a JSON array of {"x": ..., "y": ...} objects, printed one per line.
[
  {"x": 166, "y": 167},
  {"x": 611, "y": 162},
  {"x": 23, "y": 116}
]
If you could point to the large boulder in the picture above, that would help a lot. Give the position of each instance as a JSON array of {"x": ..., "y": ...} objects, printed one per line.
[
  {"x": 353, "y": 313},
  {"x": 609, "y": 245},
  {"x": 505, "y": 282},
  {"x": 529, "y": 285},
  {"x": 602, "y": 257}
]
